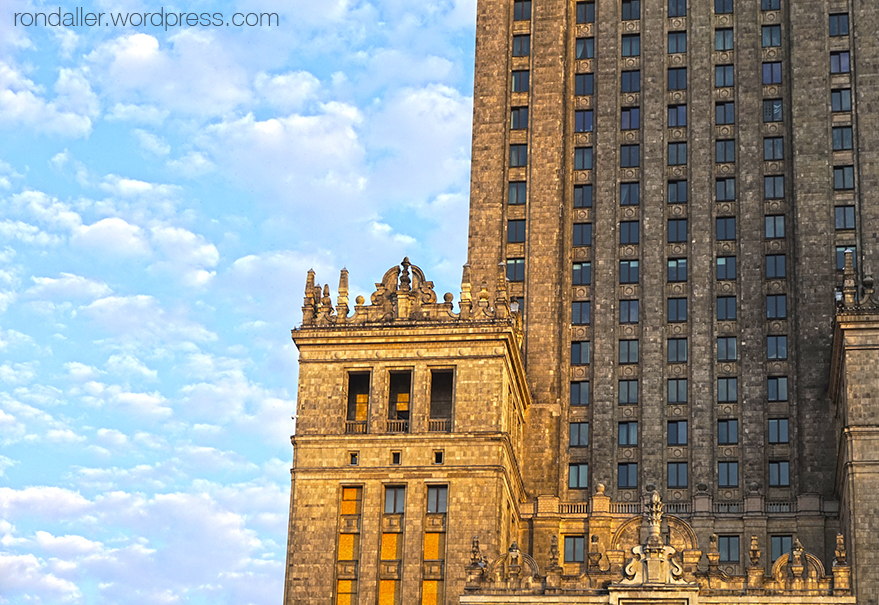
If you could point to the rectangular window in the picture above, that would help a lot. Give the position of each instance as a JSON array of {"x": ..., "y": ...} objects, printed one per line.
[
  {"x": 395, "y": 499},
  {"x": 725, "y": 113},
  {"x": 677, "y": 192},
  {"x": 726, "y": 348},
  {"x": 629, "y": 311},
  {"x": 727, "y": 474},
  {"x": 677, "y": 78},
  {"x": 677, "y": 310},
  {"x": 584, "y": 48},
  {"x": 677, "y": 350},
  {"x": 776, "y": 306},
  {"x": 677, "y": 269},
  {"x": 629, "y": 231},
  {"x": 723, "y": 6},
  {"x": 400, "y": 395},
  {"x": 724, "y": 75},
  {"x": 778, "y": 430},
  {"x": 628, "y": 272},
  {"x": 630, "y": 81},
  {"x": 779, "y": 474},
  {"x": 518, "y": 118},
  {"x": 727, "y": 432},
  {"x": 521, "y": 45},
  {"x": 516, "y": 269},
  {"x": 677, "y": 432},
  {"x": 776, "y": 266},
  {"x": 780, "y": 545},
  {"x": 845, "y": 217},
  {"x": 517, "y": 193},
  {"x": 677, "y": 116},
  {"x": 773, "y": 187},
  {"x": 726, "y": 308},
  {"x": 843, "y": 177},
  {"x": 725, "y": 189},
  {"x": 677, "y": 474},
  {"x": 358, "y": 402},
  {"x": 582, "y": 158},
  {"x": 631, "y": 10},
  {"x": 729, "y": 548},
  {"x": 578, "y": 476},
  {"x": 724, "y": 151},
  {"x": 842, "y": 138},
  {"x": 627, "y": 475},
  {"x": 579, "y": 434},
  {"x": 723, "y": 39},
  {"x": 574, "y": 549},
  {"x": 628, "y": 433},
  {"x": 582, "y": 234},
  {"x": 771, "y": 36},
  {"x": 776, "y": 347},
  {"x": 628, "y": 392},
  {"x": 585, "y": 12},
  {"x": 677, "y": 154},
  {"x": 840, "y": 256},
  {"x": 518, "y": 155},
  {"x": 630, "y": 118},
  {"x": 772, "y": 72},
  {"x": 584, "y": 84},
  {"x": 441, "y": 389},
  {"x": 630, "y": 156},
  {"x": 774, "y": 226},
  {"x": 520, "y": 80},
  {"x": 726, "y": 268},
  {"x": 677, "y": 390},
  {"x": 772, "y": 110},
  {"x": 580, "y": 392},
  {"x": 582, "y": 274},
  {"x": 677, "y": 41},
  {"x": 583, "y": 121},
  {"x": 628, "y": 351},
  {"x": 580, "y": 352},
  {"x": 677, "y": 8},
  {"x": 840, "y": 62},
  {"x": 770, "y": 5},
  {"x": 631, "y": 45},
  {"x": 839, "y": 24},
  {"x": 773, "y": 148},
  {"x": 515, "y": 231},
  {"x": 582, "y": 196},
  {"x": 841, "y": 99},
  {"x": 437, "y": 499},
  {"x": 581, "y": 312},
  {"x": 630, "y": 194},
  {"x": 727, "y": 389},
  {"x": 776, "y": 388},
  {"x": 522, "y": 10},
  {"x": 726, "y": 228}
]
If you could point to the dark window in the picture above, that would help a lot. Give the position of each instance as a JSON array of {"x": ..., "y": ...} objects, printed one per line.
[
  {"x": 630, "y": 118},
  {"x": 628, "y": 433},
  {"x": 677, "y": 116},
  {"x": 724, "y": 75},
  {"x": 727, "y": 389},
  {"x": 677, "y": 192},
  {"x": 579, "y": 434},
  {"x": 840, "y": 256},
  {"x": 839, "y": 24},
  {"x": 583, "y": 120},
  {"x": 580, "y": 392},
  {"x": 840, "y": 62},
  {"x": 725, "y": 113},
  {"x": 677, "y": 269},
  {"x": 578, "y": 476},
  {"x": 400, "y": 395},
  {"x": 727, "y": 474},
  {"x": 629, "y": 232},
  {"x": 725, "y": 189},
  {"x": 724, "y": 151},
  {"x": 778, "y": 430},
  {"x": 773, "y": 148},
  {"x": 726, "y": 308},
  {"x": 726, "y": 348},
  {"x": 441, "y": 389},
  {"x": 775, "y": 266},
  {"x": 780, "y": 545},
  {"x": 582, "y": 234},
  {"x": 724, "y": 39},
  {"x": 677, "y": 310},
  {"x": 629, "y": 311},
  {"x": 677, "y": 154},
  {"x": 729, "y": 548},
  {"x": 518, "y": 155},
  {"x": 516, "y": 269},
  {"x": 630, "y": 81},
  {"x": 574, "y": 544},
  {"x": 395, "y": 499},
  {"x": 842, "y": 137},
  {"x": 631, "y": 45},
  {"x": 677, "y": 230},
  {"x": 584, "y": 84},
  {"x": 774, "y": 226},
  {"x": 776, "y": 388},
  {"x": 677, "y": 432},
  {"x": 677, "y": 78},
  {"x": 771, "y": 35},
  {"x": 723, "y": 6},
  {"x": 582, "y": 274},
  {"x": 437, "y": 498},
  {"x": 677, "y": 8},
  {"x": 772, "y": 110},
  {"x": 628, "y": 272},
  {"x": 520, "y": 80},
  {"x": 841, "y": 99},
  {"x": 726, "y": 228},
  {"x": 630, "y": 194},
  {"x": 779, "y": 474},
  {"x": 677, "y": 350},
  {"x": 585, "y": 48},
  {"x": 727, "y": 432},
  {"x": 628, "y": 392},
  {"x": 628, "y": 351},
  {"x": 522, "y": 10},
  {"x": 627, "y": 475},
  {"x": 677, "y": 390},
  {"x": 521, "y": 45},
  {"x": 776, "y": 306},
  {"x": 677, "y": 41},
  {"x": 726, "y": 267},
  {"x": 516, "y": 231},
  {"x": 630, "y": 156},
  {"x": 843, "y": 177},
  {"x": 773, "y": 187},
  {"x": 582, "y": 196},
  {"x": 580, "y": 352},
  {"x": 518, "y": 118},
  {"x": 776, "y": 347},
  {"x": 772, "y": 73},
  {"x": 358, "y": 398},
  {"x": 581, "y": 312},
  {"x": 631, "y": 10},
  {"x": 845, "y": 217},
  {"x": 518, "y": 193},
  {"x": 677, "y": 474},
  {"x": 585, "y": 12},
  {"x": 582, "y": 158},
  {"x": 770, "y": 5}
]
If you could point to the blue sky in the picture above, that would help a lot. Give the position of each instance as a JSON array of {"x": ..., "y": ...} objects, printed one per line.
[{"x": 163, "y": 195}]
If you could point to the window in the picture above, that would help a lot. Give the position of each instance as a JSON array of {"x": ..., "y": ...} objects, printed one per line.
[
  {"x": 581, "y": 312},
  {"x": 723, "y": 39},
  {"x": 771, "y": 35},
  {"x": 437, "y": 498},
  {"x": 725, "y": 189},
  {"x": 518, "y": 155},
  {"x": 353, "y": 458},
  {"x": 579, "y": 434},
  {"x": 780, "y": 545},
  {"x": 583, "y": 120},
  {"x": 574, "y": 548},
  {"x": 776, "y": 388},
  {"x": 677, "y": 310},
  {"x": 726, "y": 348},
  {"x": 773, "y": 148},
  {"x": 778, "y": 430},
  {"x": 631, "y": 10},
  {"x": 582, "y": 274},
  {"x": 630, "y": 156},
  {"x": 677, "y": 116},
  {"x": 724, "y": 151},
  {"x": 515, "y": 231},
  {"x": 518, "y": 118},
  {"x": 776, "y": 306},
  {"x": 521, "y": 45},
  {"x": 442, "y": 384},
  {"x": 630, "y": 194},
  {"x": 520, "y": 80},
  {"x": 630, "y": 81},
  {"x": 774, "y": 226},
  {"x": 726, "y": 228},
  {"x": 842, "y": 138},
  {"x": 585, "y": 12},
  {"x": 628, "y": 392},
  {"x": 839, "y": 24},
  {"x": 585, "y": 48},
  {"x": 776, "y": 347},
  {"x": 677, "y": 390},
  {"x": 677, "y": 230},
  {"x": 677, "y": 154},
  {"x": 677, "y": 8},
  {"x": 723, "y": 6},
  {"x": 582, "y": 234},
  {"x": 726, "y": 308},
  {"x": 631, "y": 45},
  {"x": 840, "y": 256},
  {"x": 840, "y": 62},
  {"x": 580, "y": 392},
  {"x": 630, "y": 118},
  {"x": 841, "y": 99},
  {"x": 628, "y": 433},
  {"x": 516, "y": 269},
  {"x": 677, "y": 41},
  {"x": 773, "y": 187},
  {"x": 727, "y": 432},
  {"x": 627, "y": 475},
  {"x": 395, "y": 499},
  {"x": 400, "y": 394},
  {"x": 726, "y": 267},
  {"x": 677, "y": 78},
  {"x": 845, "y": 217},
  {"x": 677, "y": 432},
  {"x": 727, "y": 389},
  {"x": 629, "y": 232},
  {"x": 629, "y": 311},
  {"x": 724, "y": 75},
  {"x": 628, "y": 351},
  {"x": 772, "y": 73},
  {"x": 770, "y": 5},
  {"x": 772, "y": 110},
  {"x": 677, "y": 474},
  {"x": 396, "y": 458},
  {"x": 775, "y": 266},
  {"x": 727, "y": 474},
  {"x": 580, "y": 352},
  {"x": 677, "y": 192},
  {"x": 779, "y": 474},
  {"x": 843, "y": 177},
  {"x": 677, "y": 350},
  {"x": 518, "y": 193},
  {"x": 584, "y": 84},
  {"x": 582, "y": 158},
  {"x": 725, "y": 113},
  {"x": 578, "y": 476},
  {"x": 628, "y": 272},
  {"x": 522, "y": 10},
  {"x": 729, "y": 548},
  {"x": 582, "y": 196},
  {"x": 677, "y": 269},
  {"x": 358, "y": 402}
]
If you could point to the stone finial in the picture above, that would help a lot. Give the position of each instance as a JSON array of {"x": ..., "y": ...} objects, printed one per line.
[
  {"x": 755, "y": 552},
  {"x": 654, "y": 519},
  {"x": 405, "y": 282},
  {"x": 475, "y": 555},
  {"x": 840, "y": 551},
  {"x": 308, "y": 302},
  {"x": 342, "y": 298},
  {"x": 466, "y": 303},
  {"x": 849, "y": 283}
]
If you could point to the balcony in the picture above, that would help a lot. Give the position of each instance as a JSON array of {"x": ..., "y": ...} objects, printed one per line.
[
  {"x": 355, "y": 427},
  {"x": 397, "y": 426},
  {"x": 439, "y": 425}
]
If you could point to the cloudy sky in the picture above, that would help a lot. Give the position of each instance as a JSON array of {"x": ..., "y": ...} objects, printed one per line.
[{"x": 162, "y": 195}]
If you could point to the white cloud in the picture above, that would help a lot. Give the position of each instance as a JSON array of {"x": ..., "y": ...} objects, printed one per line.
[
  {"x": 288, "y": 91},
  {"x": 30, "y": 575},
  {"x": 191, "y": 165},
  {"x": 152, "y": 143},
  {"x": 142, "y": 114},
  {"x": 17, "y": 373},
  {"x": 66, "y": 546},
  {"x": 141, "y": 319},
  {"x": 47, "y": 210},
  {"x": 27, "y": 234},
  {"x": 126, "y": 365},
  {"x": 112, "y": 437},
  {"x": 144, "y": 405},
  {"x": 113, "y": 237},
  {"x": 81, "y": 372},
  {"x": 384, "y": 231},
  {"x": 5, "y": 463},
  {"x": 67, "y": 286},
  {"x": 63, "y": 436},
  {"x": 188, "y": 256}
]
